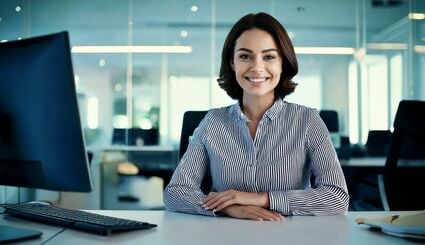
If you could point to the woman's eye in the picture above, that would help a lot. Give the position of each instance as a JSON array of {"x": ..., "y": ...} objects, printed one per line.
[
  {"x": 243, "y": 56},
  {"x": 269, "y": 57}
]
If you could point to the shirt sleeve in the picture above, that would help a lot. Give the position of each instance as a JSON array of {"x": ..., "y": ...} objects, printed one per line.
[
  {"x": 328, "y": 195},
  {"x": 183, "y": 193}
]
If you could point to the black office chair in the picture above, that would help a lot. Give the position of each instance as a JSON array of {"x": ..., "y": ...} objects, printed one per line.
[
  {"x": 402, "y": 186},
  {"x": 378, "y": 142},
  {"x": 191, "y": 120},
  {"x": 330, "y": 118}
]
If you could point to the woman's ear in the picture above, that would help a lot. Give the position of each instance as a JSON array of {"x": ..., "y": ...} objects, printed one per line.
[{"x": 232, "y": 64}]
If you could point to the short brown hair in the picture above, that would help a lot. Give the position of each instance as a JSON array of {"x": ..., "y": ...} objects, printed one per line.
[{"x": 267, "y": 23}]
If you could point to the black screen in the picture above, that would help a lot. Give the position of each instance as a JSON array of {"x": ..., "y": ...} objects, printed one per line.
[{"x": 41, "y": 141}]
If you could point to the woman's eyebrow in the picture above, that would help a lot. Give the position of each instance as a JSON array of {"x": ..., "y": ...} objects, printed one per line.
[
  {"x": 244, "y": 49},
  {"x": 263, "y": 51},
  {"x": 269, "y": 50}
]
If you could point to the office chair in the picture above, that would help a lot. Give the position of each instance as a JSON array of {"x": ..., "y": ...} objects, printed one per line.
[
  {"x": 191, "y": 120},
  {"x": 330, "y": 118},
  {"x": 378, "y": 142},
  {"x": 402, "y": 186}
]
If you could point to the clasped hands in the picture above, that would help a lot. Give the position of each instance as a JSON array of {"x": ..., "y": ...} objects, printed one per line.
[{"x": 242, "y": 205}]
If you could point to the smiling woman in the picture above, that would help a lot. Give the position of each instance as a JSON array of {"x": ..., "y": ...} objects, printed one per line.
[{"x": 262, "y": 151}]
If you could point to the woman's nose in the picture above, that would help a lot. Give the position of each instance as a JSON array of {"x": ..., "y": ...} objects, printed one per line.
[{"x": 257, "y": 64}]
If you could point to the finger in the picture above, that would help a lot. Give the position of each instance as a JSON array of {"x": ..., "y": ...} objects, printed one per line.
[
  {"x": 219, "y": 197},
  {"x": 224, "y": 205},
  {"x": 210, "y": 198},
  {"x": 267, "y": 215},
  {"x": 254, "y": 215},
  {"x": 271, "y": 216},
  {"x": 215, "y": 203}
]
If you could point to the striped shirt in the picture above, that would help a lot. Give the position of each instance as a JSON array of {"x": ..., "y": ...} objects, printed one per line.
[{"x": 291, "y": 144}]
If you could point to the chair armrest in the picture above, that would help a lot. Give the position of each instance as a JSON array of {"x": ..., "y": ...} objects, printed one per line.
[{"x": 382, "y": 192}]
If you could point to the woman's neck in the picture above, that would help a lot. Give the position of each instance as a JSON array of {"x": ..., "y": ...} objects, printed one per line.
[{"x": 255, "y": 107}]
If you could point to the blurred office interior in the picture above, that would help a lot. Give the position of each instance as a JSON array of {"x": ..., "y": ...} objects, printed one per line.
[{"x": 140, "y": 64}]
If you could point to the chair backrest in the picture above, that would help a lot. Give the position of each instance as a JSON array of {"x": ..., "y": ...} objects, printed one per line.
[
  {"x": 330, "y": 118},
  {"x": 191, "y": 120},
  {"x": 378, "y": 142},
  {"x": 404, "y": 185}
]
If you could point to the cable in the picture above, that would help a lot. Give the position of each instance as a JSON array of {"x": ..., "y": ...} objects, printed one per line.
[{"x": 50, "y": 238}]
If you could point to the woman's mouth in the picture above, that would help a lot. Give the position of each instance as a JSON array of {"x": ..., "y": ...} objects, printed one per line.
[{"x": 256, "y": 79}]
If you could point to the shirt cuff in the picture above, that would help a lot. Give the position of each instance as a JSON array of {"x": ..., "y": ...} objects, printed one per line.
[
  {"x": 203, "y": 211},
  {"x": 279, "y": 202}
]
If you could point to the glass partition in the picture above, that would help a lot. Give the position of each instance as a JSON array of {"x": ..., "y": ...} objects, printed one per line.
[{"x": 140, "y": 64}]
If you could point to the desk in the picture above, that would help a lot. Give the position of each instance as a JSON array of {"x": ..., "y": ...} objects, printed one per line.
[
  {"x": 363, "y": 162},
  {"x": 178, "y": 228},
  {"x": 361, "y": 175}
]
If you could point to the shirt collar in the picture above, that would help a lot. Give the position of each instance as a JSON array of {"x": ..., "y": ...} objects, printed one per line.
[{"x": 271, "y": 113}]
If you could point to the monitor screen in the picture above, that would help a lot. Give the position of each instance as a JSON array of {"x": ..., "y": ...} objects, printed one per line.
[{"x": 41, "y": 140}]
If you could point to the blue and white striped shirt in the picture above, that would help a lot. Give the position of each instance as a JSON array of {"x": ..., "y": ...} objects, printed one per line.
[{"x": 291, "y": 144}]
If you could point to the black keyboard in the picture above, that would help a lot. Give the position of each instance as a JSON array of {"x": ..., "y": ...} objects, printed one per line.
[{"x": 74, "y": 219}]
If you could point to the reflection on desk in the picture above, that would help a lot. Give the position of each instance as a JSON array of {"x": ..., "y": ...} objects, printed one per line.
[{"x": 178, "y": 228}]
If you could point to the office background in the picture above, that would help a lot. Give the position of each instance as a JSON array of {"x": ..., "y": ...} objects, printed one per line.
[{"x": 357, "y": 57}]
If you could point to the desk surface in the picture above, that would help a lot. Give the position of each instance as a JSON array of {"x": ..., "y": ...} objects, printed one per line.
[
  {"x": 177, "y": 228},
  {"x": 363, "y": 162}
]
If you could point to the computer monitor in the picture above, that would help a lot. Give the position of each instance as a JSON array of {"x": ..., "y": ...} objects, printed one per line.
[{"x": 41, "y": 140}]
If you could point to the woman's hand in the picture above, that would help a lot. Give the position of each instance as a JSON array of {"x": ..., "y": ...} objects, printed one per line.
[
  {"x": 220, "y": 200},
  {"x": 251, "y": 212}
]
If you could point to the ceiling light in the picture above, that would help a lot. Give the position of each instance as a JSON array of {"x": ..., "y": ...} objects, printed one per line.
[
  {"x": 416, "y": 16},
  {"x": 118, "y": 87},
  {"x": 184, "y": 33},
  {"x": 131, "y": 49},
  {"x": 102, "y": 62},
  {"x": 18, "y": 8},
  {"x": 419, "y": 48},
  {"x": 396, "y": 46},
  {"x": 194, "y": 8},
  {"x": 324, "y": 50}
]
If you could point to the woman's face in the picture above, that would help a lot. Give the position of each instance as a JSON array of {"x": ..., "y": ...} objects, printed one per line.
[{"x": 257, "y": 63}]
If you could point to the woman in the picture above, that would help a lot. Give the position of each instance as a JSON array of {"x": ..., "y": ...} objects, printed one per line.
[{"x": 261, "y": 151}]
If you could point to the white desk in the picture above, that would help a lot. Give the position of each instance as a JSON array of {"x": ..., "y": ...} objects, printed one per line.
[
  {"x": 364, "y": 162},
  {"x": 177, "y": 228}
]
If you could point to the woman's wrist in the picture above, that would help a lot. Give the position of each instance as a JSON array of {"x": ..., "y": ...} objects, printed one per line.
[{"x": 264, "y": 200}]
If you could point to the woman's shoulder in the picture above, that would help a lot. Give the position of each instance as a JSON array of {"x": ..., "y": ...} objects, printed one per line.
[
  {"x": 299, "y": 109},
  {"x": 221, "y": 112}
]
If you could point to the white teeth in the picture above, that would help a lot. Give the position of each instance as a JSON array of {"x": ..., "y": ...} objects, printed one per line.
[{"x": 257, "y": 80}]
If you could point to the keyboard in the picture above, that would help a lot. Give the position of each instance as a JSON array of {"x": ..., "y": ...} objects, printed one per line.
[{"x": 74, "y": 219}]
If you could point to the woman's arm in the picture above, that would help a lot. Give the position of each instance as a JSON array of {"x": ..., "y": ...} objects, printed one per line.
[
  {"x": 183, "y": 193},
  {"x": 329, "y": 194}
]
